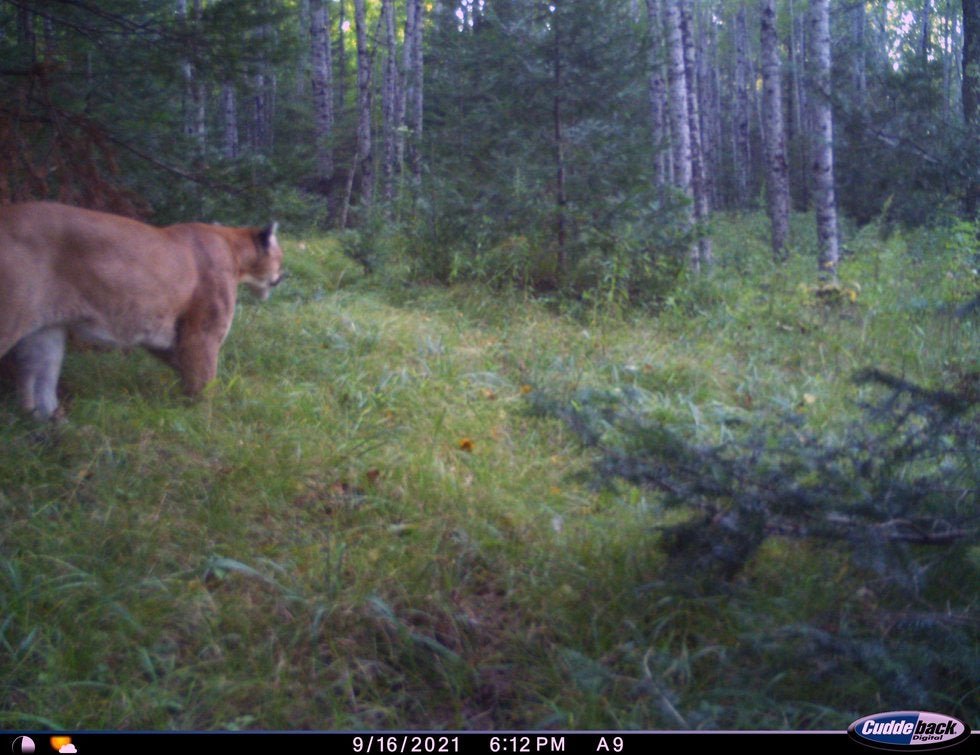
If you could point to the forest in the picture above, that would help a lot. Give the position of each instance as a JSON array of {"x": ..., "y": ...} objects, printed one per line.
[{"x": 626, "y": 375}]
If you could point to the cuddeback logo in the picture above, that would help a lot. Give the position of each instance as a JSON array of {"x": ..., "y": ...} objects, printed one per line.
[{"x": 908, "y": 730}]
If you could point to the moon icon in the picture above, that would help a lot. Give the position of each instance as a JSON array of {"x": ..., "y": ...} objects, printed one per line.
[{"x": 23, "y": 745}]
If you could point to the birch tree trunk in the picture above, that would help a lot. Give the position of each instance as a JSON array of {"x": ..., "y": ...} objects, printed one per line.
[
  {"x": 658, "y": 99},
  {"x": 777, "y": 170},
  {"x": 322, "y": 84},
  {"x": 699, "y": 186},
  {"x": 823, "y": 140},
  {"x": 680, "y": 125}
]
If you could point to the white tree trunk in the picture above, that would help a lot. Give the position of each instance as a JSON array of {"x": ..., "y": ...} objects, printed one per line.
[
  {"x": 699, "y": 184},
  {"x": 777, "y": 170},
  {"x": 679, "y": 124},
  {"x": 823, "y": 139}
]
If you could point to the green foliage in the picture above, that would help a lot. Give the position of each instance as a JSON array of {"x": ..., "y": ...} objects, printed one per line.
[
  {"x": 902, "y": 138},
  {"x": 97, "y": 104},
  {"x": 891, "y": 498},
  {"x": 634, "y": 259},
  {"x": 632, "y": 255},
  {"x": 360, "y": 526},
  {"x": 627, "y": 252},
  {"x": 903, "y": 473},
  {"x": 490, "y": 210}
]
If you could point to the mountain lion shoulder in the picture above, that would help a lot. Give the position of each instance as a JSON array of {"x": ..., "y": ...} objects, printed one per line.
[{"x": 116, "y": 281}]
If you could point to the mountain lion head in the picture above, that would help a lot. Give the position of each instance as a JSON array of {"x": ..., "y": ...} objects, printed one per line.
[{"x": 264, "y": 271}]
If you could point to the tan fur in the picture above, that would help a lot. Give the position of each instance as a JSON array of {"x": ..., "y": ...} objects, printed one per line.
[{"x": 117, "y": 281}]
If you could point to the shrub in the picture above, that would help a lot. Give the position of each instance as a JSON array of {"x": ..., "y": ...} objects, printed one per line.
[{"x": 891, "y": 499}]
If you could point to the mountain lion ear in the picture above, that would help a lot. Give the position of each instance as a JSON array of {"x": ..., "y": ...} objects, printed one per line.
[{"x": 268, "y": 235}]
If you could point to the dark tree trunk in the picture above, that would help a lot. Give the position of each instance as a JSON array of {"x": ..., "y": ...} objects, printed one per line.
[
  {"x": 413, "y": 94},
  {"x": 390, "y": 98},
  {"x": 364, "y": 161},
  {"x": 561, "y": 198},
  {"x": 971, "y": 88},
  {"x": 658, "y": 99},
  {"x": 799, "y": 121},
  {"x": 194, "y": 98},
  {"x": 229, "y": 109},
  {"x": 743, "y": 147},
  {"x": 322, "y": 83}
]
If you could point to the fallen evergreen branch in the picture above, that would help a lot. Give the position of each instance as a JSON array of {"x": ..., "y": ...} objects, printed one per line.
[
  {"x": 904, "y": 475},
  {"x": 890, "y": 499}
]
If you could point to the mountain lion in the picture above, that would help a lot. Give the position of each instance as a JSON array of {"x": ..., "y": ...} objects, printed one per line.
[{"x": 116, "y": 281}]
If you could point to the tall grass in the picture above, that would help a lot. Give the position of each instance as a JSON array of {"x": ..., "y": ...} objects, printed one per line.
[{"x": 361, "y": 524}]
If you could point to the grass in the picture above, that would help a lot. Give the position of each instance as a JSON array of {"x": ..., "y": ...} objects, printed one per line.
[{"x": 361, "y": 525}]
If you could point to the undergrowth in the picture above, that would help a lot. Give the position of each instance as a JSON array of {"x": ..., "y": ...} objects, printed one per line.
[{"x": 361, "y": 525}]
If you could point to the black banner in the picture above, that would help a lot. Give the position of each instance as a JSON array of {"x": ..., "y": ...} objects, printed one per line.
[{"x": 430, "y": 742}]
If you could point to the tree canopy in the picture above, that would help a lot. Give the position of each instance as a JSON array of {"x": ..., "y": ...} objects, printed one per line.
[{"x": 495, "y": 124}]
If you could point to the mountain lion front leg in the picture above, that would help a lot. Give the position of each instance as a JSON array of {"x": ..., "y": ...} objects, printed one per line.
[
  {"x": 37, "y": 364},
  {"x": 196, "y": 357}
]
